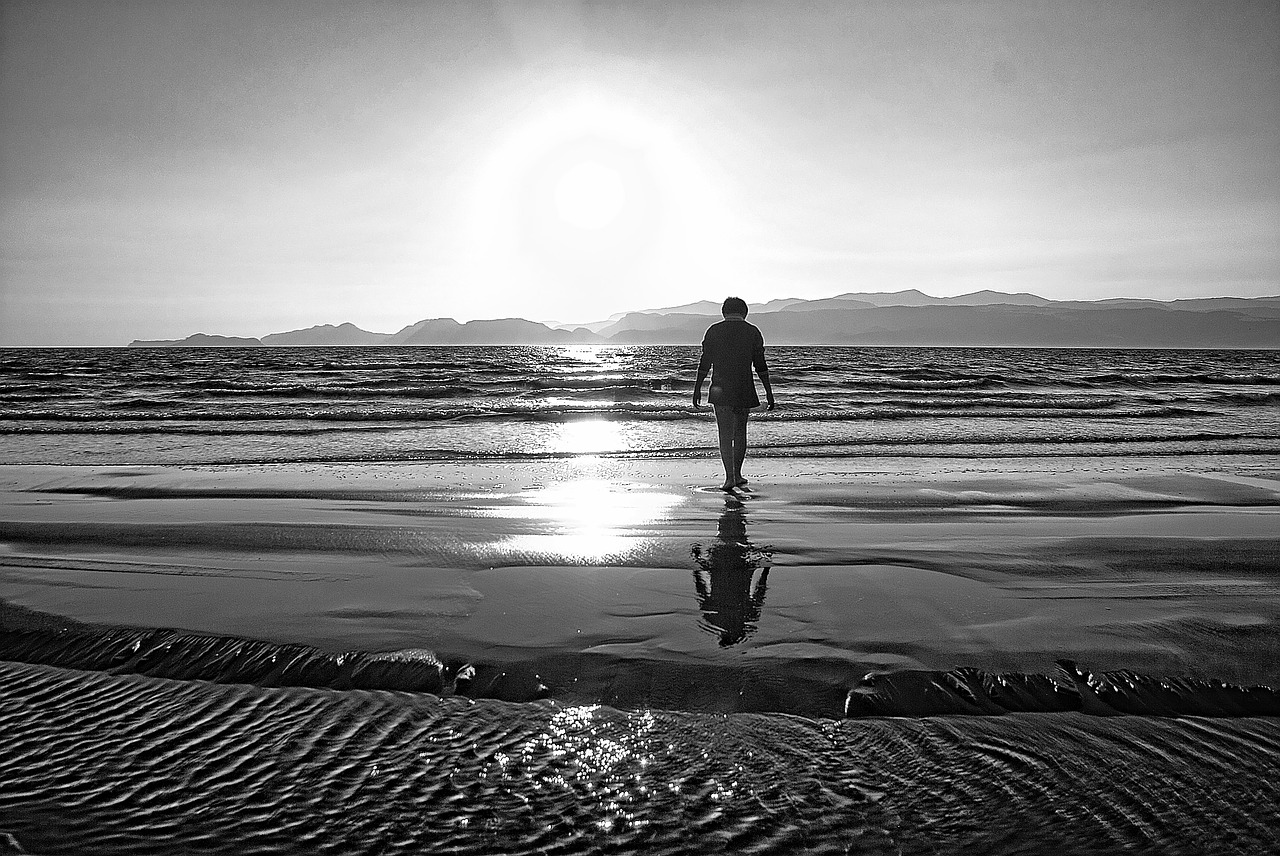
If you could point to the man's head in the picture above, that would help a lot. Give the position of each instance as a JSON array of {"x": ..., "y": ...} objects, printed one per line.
[{"x": 734, "y": 306}]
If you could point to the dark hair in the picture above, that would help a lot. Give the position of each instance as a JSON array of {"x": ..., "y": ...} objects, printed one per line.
[{"x": 734, "y": 306}]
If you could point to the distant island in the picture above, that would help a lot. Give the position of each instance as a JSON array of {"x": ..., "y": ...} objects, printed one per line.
[{"x": 901, "y": 318}]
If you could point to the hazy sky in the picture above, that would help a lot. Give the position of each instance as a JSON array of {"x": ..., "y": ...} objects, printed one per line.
[{"x": 252, "y": 167}]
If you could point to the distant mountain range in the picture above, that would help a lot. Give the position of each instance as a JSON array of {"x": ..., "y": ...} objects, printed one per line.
[{"x": 906, "y": 318}]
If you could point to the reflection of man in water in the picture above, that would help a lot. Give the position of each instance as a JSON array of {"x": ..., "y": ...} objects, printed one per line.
[
  {"x": 728, "y": 603},
  {"x": 729, "y": 350}
]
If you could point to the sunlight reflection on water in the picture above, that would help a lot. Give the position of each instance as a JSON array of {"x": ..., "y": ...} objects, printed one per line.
[
  {"x": 588, "y": 520},
  {"x": 586, "y": 755},
  {"x": 589, "y": 436}
]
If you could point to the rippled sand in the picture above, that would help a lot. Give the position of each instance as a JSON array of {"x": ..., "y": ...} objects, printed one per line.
[
  {"x": 104, "y": 763},
  {"x": 600, "y": 655}
]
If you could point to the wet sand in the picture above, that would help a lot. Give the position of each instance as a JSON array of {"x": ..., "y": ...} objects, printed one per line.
[
  {"x": 845, "y": 568},
  {"x": 181, "y": 644}
]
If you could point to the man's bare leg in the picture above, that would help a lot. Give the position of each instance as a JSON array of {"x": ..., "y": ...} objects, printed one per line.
[
  {"x": 726, "y": 426},
  {"x": 739, "y": 446}
]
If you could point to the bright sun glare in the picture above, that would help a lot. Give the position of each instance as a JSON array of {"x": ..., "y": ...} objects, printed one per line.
[
  {"x": 590, "y": 195},
  {"x": 588, "y": 519},
  {"x": 584, "y": 200}
]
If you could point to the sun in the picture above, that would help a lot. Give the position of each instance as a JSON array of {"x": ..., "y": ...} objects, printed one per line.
[
  {"x": 590, "y": 195},
  {"x": 588, "y": 204},
  {"x": 586, "y": 201}
]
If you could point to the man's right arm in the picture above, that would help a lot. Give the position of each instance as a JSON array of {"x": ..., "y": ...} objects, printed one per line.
[{"x": 704, "y": 366}]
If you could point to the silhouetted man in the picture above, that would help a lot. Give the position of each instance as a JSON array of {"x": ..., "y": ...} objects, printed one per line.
[{"x": 729, "y": 351}]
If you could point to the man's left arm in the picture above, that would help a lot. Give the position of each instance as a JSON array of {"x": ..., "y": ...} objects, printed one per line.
[{"x": 762, "y": 369}]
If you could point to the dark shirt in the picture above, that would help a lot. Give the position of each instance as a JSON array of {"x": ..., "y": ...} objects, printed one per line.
[{"x": 731, "y": 348}]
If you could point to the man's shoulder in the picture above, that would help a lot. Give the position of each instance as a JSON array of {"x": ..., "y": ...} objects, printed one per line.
[{"x": 734, "y": 331}]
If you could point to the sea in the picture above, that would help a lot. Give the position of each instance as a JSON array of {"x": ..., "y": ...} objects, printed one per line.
[
  {"x": 151, "y": 740},
  {"x": 277, "y": 405}
]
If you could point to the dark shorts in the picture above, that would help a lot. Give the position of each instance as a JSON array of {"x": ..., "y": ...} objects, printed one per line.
[{"x": 723, "y": 410}]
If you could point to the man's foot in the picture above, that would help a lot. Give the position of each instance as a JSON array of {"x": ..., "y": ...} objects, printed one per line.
[
  {"x": 740, "y": 482},
  {"x": 728, "y": 486}
]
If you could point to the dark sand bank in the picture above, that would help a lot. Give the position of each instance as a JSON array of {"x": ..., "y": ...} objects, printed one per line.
[{"x": 807, "y": 687}]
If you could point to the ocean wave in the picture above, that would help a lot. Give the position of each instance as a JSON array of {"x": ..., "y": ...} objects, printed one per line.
[
  {"x": 1007, "y": 402},
  {"x": 551, "y": 403},
  {"x": 612, "y": 392},
  {"x": 923, "y": 383},
  {"x": 952, "y": 449},
  {"x": 614, "y": 406},
  {"x": 1265, "y": 399},
  {"x": 396, "y": 391},
  {"x": 137, "y": 404},
  {"x": 1143, "y": 379}
]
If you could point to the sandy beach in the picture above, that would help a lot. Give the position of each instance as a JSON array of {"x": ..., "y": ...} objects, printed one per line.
[{"x": 539, "y": 652}]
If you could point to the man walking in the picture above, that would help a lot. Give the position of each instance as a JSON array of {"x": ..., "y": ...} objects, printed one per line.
[{"x": 730, "y": 350}]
